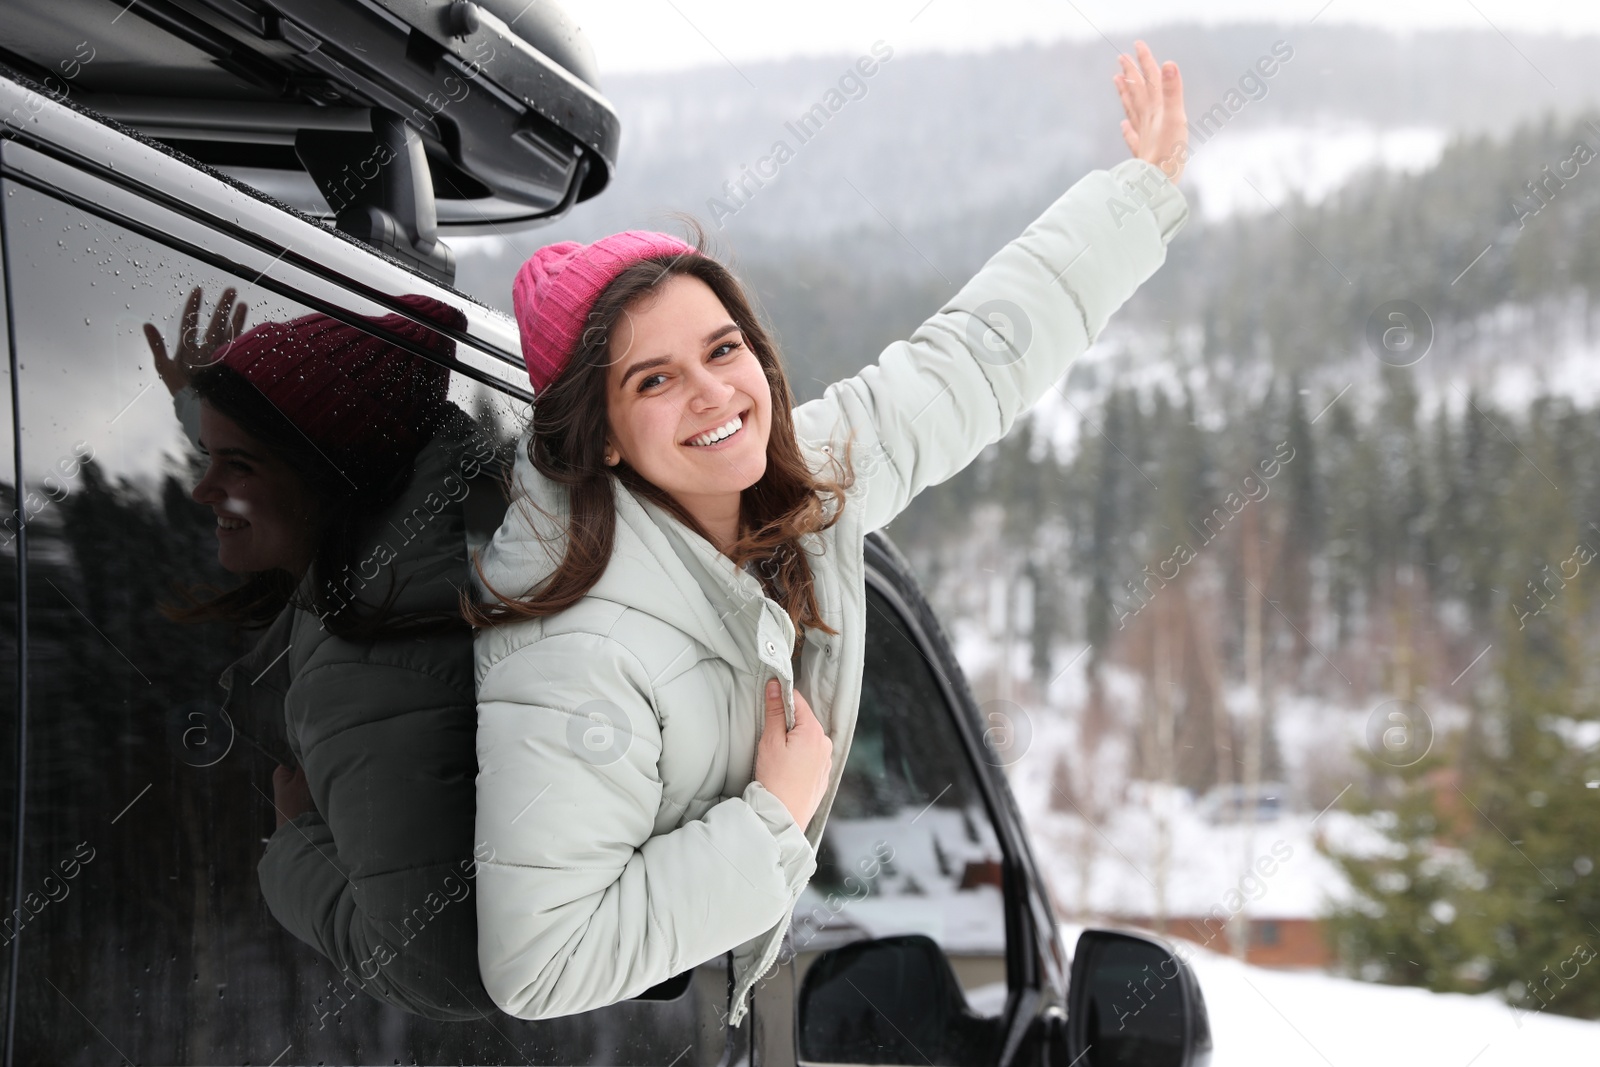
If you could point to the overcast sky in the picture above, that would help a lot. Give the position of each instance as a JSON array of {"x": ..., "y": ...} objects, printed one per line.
[{"x": 637, "y": 35}]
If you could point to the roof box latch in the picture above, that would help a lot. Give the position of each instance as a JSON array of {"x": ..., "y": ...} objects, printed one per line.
[{"x": 380, "y": 189}]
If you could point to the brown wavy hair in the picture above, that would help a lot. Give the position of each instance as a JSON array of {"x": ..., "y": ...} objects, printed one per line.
[{"x": 568, "y": 440}]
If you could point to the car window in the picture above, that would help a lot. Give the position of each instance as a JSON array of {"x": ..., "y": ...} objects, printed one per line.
[
  {"x": 172, "y": 918},
  {"x": 909, "y": 847}
]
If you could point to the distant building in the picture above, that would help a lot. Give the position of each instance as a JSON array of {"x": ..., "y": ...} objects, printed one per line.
[
  {"x": 1202, "y": 869},
  {"x": 1285, "y": 941}
]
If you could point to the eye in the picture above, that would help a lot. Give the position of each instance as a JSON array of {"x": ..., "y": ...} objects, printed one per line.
[
  {"x": 644, "y": 383},
  {"x": 729, "y": 345}
]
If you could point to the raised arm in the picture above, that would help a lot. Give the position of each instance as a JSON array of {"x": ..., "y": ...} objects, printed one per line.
[
  {"x": 578, "y": 905},
  {"x": 932, "y": 403}
]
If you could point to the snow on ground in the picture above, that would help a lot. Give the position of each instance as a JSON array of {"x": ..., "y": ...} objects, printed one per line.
[{"x": 1267, "y": 1018}]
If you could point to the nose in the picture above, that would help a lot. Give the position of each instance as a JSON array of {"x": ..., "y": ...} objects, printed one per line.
[
  {"x": 206, "y": 490},
  {"x": 708, "y": 390}
]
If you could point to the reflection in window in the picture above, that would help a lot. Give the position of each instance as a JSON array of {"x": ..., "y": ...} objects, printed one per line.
[{"x": 191, "y": 907}]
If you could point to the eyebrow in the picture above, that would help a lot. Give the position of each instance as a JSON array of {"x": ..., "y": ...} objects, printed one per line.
[{"x": 646, "y": 364}]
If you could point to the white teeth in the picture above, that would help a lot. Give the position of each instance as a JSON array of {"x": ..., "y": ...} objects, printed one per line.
[
  {"x": 230, "y": 523},
  {"x": 719, "y": 433}
]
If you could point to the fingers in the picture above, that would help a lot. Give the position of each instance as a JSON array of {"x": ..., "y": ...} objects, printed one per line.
[
  {"x": 1126, "y": 96},
  {"x": 1130, "y": 85},
  {"x": 158, "y": 345},
  {"x": 1148, "y": 67},
  {"x": 238, "y": 319},
  {"x": 1172, "y": 88},
  {"x": 219, "y": 318},
  {"x": 190, "y": 320}
]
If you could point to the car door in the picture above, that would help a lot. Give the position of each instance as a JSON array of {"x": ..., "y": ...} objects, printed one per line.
[
  {"x": 140, "y": 811},
  {"x": 924, "y": 936}
]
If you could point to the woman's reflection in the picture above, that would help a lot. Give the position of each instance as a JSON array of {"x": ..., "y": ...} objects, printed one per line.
[{"x": 337, "y": 473}]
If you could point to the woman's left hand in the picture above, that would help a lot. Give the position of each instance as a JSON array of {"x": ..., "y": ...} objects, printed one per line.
[
  {"x": 291, "y": 794},
  {"x": 1156, "y": 129}
]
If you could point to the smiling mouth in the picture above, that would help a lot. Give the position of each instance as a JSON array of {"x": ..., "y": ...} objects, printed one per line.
[
  {"x": 743, "y": 418},
  {"x": 230, "y": 523}
]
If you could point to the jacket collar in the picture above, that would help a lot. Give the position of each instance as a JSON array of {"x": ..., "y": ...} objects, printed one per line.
[{"x": 658, "y": 565}]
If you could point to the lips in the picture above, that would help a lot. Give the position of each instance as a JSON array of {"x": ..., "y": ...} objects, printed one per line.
[
  {"x": 227, "y": 524},
  {"x": 744, "y": 423}
]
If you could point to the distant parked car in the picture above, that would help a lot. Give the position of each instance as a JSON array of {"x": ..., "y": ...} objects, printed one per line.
[{"x": 1235, "y": 803}]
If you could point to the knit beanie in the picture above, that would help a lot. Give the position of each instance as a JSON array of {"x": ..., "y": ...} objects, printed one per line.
[
  {"x": 365, "y": 403},
  {"x": 556, "y": 287}
]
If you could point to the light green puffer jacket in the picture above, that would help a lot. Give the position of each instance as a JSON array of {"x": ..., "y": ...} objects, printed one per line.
[{"x": 626, "y": 839}]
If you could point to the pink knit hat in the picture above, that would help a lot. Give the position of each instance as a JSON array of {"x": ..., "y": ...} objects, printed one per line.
[
  {"x": 556, "y": 287},
  {"x": 364, "y": 402}
]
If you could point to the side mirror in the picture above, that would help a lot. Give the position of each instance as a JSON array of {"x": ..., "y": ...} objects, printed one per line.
[
  {"x": 893, "y": 1000},
  {"x": 1134, "y": 1003}
]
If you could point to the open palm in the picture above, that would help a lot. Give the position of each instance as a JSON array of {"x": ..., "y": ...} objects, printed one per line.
[{"x": 1156, "y": 129}]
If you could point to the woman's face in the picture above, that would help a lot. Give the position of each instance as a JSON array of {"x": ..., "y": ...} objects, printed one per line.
[
  {"x": 679, "y": 368},
  {"x": 263, "y": 509}
]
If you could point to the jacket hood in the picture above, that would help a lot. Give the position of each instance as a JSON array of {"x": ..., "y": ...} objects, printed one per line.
[{"x": 658, "y": 565}]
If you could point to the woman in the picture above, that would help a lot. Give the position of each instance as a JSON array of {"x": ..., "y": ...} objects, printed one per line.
[
  {"x": 337, "y": 473},
  {"x": 677, "y": 581}
]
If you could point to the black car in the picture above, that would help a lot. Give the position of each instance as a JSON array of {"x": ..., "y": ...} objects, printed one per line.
[{"x": 140, "y": 144}]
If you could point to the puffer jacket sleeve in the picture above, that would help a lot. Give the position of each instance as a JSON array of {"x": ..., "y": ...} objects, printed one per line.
[
  {"x": 378, "y": 877},
  {"x": 932, "y": 403},
  {"x": 579, "y": 906}
]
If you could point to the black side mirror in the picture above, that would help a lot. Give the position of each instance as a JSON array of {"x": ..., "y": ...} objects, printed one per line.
[
  {"x": 893, "y": 1000},
  {"x": 1134, "y": 1003}
]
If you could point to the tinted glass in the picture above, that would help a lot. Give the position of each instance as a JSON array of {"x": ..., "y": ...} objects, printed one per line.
[
  {"x": 16, "y": 914},
  {"x": 202, "y": 904},
  {"x": 909, "y": 846}
]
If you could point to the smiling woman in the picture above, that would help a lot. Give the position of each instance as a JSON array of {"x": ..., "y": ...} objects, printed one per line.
[{"x": 685, "y": 556}]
